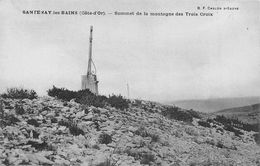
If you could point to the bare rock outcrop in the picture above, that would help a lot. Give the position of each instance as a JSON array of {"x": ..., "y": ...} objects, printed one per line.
[{"x": 47, "y": 131}]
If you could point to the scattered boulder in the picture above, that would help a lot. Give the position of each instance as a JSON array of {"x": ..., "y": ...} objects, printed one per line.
[{"x": 48, "y": 131}]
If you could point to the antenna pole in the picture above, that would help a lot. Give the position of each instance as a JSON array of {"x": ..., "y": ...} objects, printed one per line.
[{"x": 90, "y": 50}]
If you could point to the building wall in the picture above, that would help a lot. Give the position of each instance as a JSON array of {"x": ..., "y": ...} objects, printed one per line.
[{"x": 89, "y": 82}]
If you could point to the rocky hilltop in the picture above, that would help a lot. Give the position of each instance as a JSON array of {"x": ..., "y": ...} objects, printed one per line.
[{"x": 49, "y": 131}]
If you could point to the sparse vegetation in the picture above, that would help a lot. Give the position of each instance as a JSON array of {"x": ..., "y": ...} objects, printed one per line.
[
  {"x": 54, "y": 120},
  {"x": 155, "y": 137},
  {"x": 75, "y": 130},
  {"x": 19, "y": 110},
  {"x": 194, "y": 114},
  {"x": 10, "y": 119},
  {"x": 204, "y": 124},
  {"x": 157, "y": 141},
  {"x": 104, "y": 138},
  {"x": 89, "y": 99},
  {"x": 96, "y": 147},
  {"x": 177, "y": 114},
  {"x": 220, "y": 145},
  {"x": 147, "y": 159},
  {"x": 118, "y": 102},
  {"x": 35, "y": 134},
  {"x": 64, "y": 123},
  {"x": 62, "y": 93},
  {"x": 45, "y": 108},
  {"x": 19, "y": 93},
  {"x": 232, "y": 129},
  {"x": 143, "y": 156},
  {"x": 41, "y": 146},
  {"x": 83, "y": 96},
  {"x": 108, "y": 162},
  {"x": 33, "y": 122},
  {"x": 144, "y": 133},
  {"x": 232, "y": 124},
  {"x": 210, "y": 121}
]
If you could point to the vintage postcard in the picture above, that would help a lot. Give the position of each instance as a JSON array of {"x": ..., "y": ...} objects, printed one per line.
[{"x": 130, "y": 82}]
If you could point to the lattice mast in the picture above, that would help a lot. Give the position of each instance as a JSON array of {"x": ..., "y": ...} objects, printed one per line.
[
  {"x": 90, "y": 51},
  {"x": 89, "y": 81}
]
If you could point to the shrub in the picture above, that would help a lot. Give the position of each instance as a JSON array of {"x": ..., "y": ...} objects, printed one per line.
[
  {"x": 232, "y": 129},
  {"x": 19, "y": 93},
  {"x": 96, "y": 147},
  {"x": 210, "y": 121},
  {"x": 75, "y": 130},
  {"x": 133, "y": 153},
  {"x": 194, "y": 114},
  {"x": 40, "y": 146},
  {"x": 142, "y": 132},
  {"x": 223, "y": 120},
  {"x": 175, "y": 113},
  {"x": 236, "y": 123},
  {"x": 144, "y": 156},
  {"x": 84, "y": 108},
  {"x": 118, "y": 102},
  {"x": 155, "y": 137},
  {"x": 44, "y": 121},
  {"x": 35, "y": 134},
  {"x": 87, "y": 98},
  {"x": 65, "y": 123},
  {"x": 6, "y": 161},
  {"x": 62, "y": 93},
  {"x": 19, "y": 110},
  {"x": 104, "y": 138},
  {"x": 33, "y": 122},
  {"x": 220, "y": 144},
  {"x": 45, "y": 108},
  {"x": 10, "y": 120},
  {"x": 108, "y": 162},
  {"x": 54, "y": 120},
  {"x": 65, "y": 104},
  {"x": 82, "y": 96},
  {"x": 147, "y": 159},
  {"x": 251, "y": 127},
  {"x": 204, "y": 124}
]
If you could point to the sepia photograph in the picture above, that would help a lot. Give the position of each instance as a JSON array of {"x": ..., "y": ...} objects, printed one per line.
[{"x": 130, "y": 83}]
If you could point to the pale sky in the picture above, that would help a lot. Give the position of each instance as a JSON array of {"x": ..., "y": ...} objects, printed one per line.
[{"x": 162, "y": 58}]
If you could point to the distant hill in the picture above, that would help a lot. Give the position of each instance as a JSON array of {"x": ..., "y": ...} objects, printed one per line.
[
  {"x": 248, "y": 114},
  {"x": 212, "y": 105}
]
